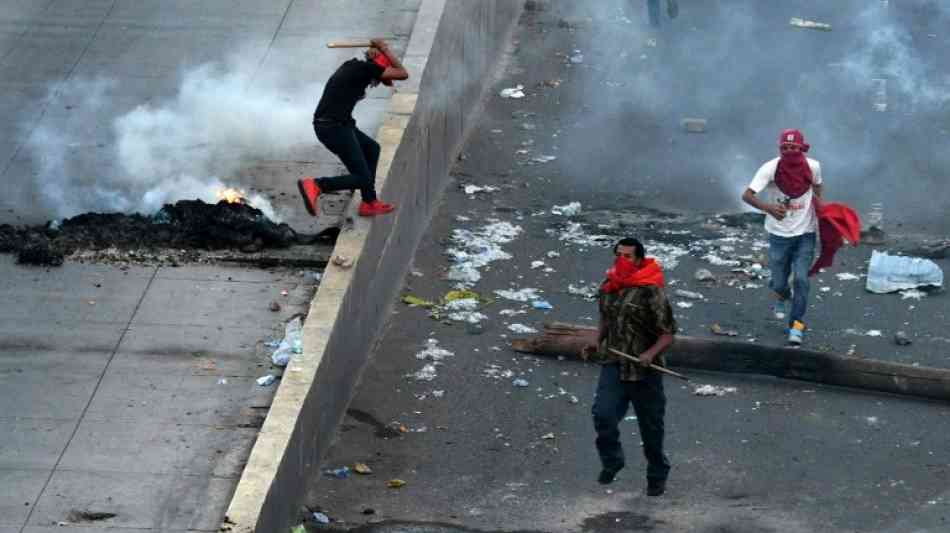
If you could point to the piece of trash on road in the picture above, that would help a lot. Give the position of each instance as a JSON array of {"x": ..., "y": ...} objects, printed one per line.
[
  {"x": 541, "y": 159},
  {"x": 713, "y": 390},
  {"x": 520, "y": 382},
  {"x": 577, "y": 58},
  {"x": 340, "y": 473},
  {"x": 914, "y": 294},
  {"x": 847, "y": 276},
  {"x": 718, "y": 330},
  {"x": 266, "y": 381},
  {"x": 321, "y": 518},
  {"x": 587, "y": 291},
  {"x": 513, "y": 92},
  {"x": 395, "y": 483},
  {"x": 568, "y": 210},
  {"x": 892, "y": 273},
  {"x": 415, "y": 301},
  {"x": 473, "y": 189},
  {"x": 433, "y": 352},
  {"x": 542, "y": 304},
  {"x": 521, "y": 328},
  {"x": 874, "y": 333},
  {"x": 547, "y": 436},
  {"x": 901, "y": 339},
  {"x": 684, "y": 305},
  {"x": 362, "y": 469},
  {"x": 292, "y": 343},
  {"x": 799, "y": 22},
  {"x": 704, "y": 275},
  {"x": 694, "y": 125},
  {"x": 688, "y": 294},
  {"x": 521, "y": 295},
  {"x": 275, "y": 306},
  {"x": 426, "y": 373},
  {"x": 512, "y": 312},
  {"x": 342, "y": 261}
]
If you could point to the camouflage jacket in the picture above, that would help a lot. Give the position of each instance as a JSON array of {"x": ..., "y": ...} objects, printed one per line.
[{"x": 634, "y": 318}]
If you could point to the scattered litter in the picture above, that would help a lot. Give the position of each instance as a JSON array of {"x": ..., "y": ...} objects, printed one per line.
[
  {"x": 521, "y": 295},
  {"x": 473, "y": 189},
  {"x": 913, "y": 294},
  {"x": 577, "y": 58},
  {"x": 291, "y": 344},
  {"x": 340, "y": 473},
  {"x": 438, "y": 393},
  {"x": 479, "y": 248},
  {"x": 433, "y": 352},
  {"x": 542, "y": 304},
  {"x": 694, "y": 125},
  {"x": 520, "y": 382},
  {"x": 587, "y": 291},
  {"x": 321, "y": 518},
  {"x": 825, "y": 289},
  {"x": 847, "y": 276},
  {"x": 395, "y": 483},
  {"x": 874, "y": 333},
  {"x": 891, "y": 273},
  {"x": 342, "y": 261},
  {"x": 684, "y": 305},
  {"x": 266, "y": 381},
  {"x": 512, "y": 312},
  {"x": 713, "y": 390},
  {"x": 718, "y": 261},
  {"x": 415, "y": 301},
  {"x": 541, "y": 159},
  {"x": 901, "y": 339},
  {"x": 462, "y": 304},
  {"x": 496, "y": 372},
  {"x": 470, "y": 317},
  {"x": 704, "y": 275},
  {"x": 536, "y": 264},
  {"x": 521, "y": 328},
  {"x": 569, "y": 210},
  {"x": 809, "y": 24},
  {"x": 513, "y": 92},
  {"x": 718, "y": 330},
  {"x": 688, "y": 294},
  {"x": 362, "y": 469},
  {"x": 873, "y": 420},
  {"x": 547, "y": 436},
  {"x": 553, "y": 253},
  {"x": 426, "y": 373}
]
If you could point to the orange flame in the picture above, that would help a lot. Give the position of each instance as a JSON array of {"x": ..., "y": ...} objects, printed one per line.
[{"x": 231, "y": 195}]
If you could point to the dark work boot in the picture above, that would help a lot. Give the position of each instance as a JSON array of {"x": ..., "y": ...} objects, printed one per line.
[
  {"x": 656, "y": 487},
  {"x": 607, "y": 475}
]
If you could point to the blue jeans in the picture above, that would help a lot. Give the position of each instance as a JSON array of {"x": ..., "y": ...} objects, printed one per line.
[
  {"x": 792, "y": 255},
  {"x": 610, "y": 406}
]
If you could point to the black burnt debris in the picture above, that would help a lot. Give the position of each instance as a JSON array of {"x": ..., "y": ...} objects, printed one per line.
[{"x": 185, "y": 225}]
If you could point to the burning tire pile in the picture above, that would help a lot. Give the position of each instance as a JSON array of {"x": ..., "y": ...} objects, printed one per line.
[{"x": 188, "y": 226}]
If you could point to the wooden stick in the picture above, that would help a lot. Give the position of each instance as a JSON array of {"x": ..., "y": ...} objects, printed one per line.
[
  {"x": 658, "y": 368},
  {"x": 356, "y": 44}
]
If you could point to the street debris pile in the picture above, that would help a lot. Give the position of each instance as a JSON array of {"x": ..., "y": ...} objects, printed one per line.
[{"x": 174, "y": 234}]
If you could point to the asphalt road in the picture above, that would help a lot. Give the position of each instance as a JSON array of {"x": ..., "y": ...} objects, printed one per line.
[{"x": 486, "y": 455}]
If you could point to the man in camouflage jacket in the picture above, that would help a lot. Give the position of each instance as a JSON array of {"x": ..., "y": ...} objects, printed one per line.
[{"x": 635, "y": 318}]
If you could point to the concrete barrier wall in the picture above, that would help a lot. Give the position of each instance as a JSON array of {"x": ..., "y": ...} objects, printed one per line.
[{"x": 455, "y": 45}]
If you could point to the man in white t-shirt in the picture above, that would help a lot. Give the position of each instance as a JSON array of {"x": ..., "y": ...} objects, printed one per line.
[{"x": 790, "y": 182}]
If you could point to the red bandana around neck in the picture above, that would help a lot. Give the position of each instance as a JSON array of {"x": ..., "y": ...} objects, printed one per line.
[
  {"x": 625, "y": 274},
  {"x": 793, "y": 175}
]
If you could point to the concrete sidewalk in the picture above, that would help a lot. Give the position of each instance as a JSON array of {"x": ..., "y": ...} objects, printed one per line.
[{"x": 131, "y": 390}]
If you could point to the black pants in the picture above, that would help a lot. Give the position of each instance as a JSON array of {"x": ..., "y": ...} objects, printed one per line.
[
  {"x": 358, "y": 152},
  {"x": 610, "y": 406}
]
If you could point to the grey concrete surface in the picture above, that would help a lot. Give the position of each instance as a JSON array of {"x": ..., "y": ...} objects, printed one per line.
[
  {"x": 420, "y": 136},
  {"x": 773, "y": 456},
  {"x": 131, "y": 390}
]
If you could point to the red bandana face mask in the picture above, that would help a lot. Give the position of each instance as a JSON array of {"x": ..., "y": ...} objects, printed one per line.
[{"x": 625, "y": 274}]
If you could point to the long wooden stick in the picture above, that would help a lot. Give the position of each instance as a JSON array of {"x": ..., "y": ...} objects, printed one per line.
[
  {"x": 356, "y": 44},
  {"x": 658, "y": 368}
]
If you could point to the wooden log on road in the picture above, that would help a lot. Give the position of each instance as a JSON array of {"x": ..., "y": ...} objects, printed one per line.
[{"x": 721, "y": 355}]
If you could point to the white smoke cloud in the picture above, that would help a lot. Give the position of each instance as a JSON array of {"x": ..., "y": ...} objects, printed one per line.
[{"x": 224, "y": 116}]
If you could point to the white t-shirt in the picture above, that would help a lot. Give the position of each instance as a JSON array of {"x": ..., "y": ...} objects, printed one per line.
[{"x": 800, "y": 217}]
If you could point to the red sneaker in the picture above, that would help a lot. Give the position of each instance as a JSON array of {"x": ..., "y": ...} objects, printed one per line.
[
  {"x": 310, "y": 191},
  {"x": 371, "y": 209}
]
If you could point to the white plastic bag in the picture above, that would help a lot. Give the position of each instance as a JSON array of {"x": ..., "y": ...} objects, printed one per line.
[
  {"x": 292, "y": 343},
  {"x": 892, "y": 273}
]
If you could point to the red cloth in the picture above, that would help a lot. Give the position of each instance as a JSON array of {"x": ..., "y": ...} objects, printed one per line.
[
  {"x": 383, "y": 61},
  {"x": 836, "y": 223},
  {"x": 625, "y": 274},
  {"x": 793, "y": 175}
]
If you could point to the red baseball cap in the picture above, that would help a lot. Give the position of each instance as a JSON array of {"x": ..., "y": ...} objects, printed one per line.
[{"x": 793, "y": 137}]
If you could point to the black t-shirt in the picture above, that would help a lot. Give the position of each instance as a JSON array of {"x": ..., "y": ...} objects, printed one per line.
[{"x": 346, "y": 87}]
